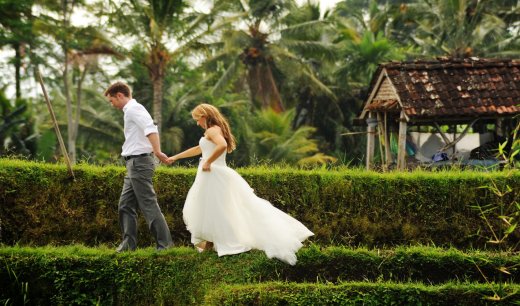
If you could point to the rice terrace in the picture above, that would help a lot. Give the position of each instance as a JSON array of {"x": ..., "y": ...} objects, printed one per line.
[{"x": 259, "y": 152}]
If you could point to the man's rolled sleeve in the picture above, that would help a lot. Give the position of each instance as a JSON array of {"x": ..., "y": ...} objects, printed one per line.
[
  {"x": 145, "y": 122},
  {"x": 150, "y": 129}
]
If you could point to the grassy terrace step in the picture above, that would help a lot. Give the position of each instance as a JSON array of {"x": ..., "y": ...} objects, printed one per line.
[
  {"x": 77, "y": 274},
  {"x": 40, "y": 205},
  {"x": 363, "y": 293}
]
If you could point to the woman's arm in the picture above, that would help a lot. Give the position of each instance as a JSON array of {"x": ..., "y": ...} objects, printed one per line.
[
  {"x": 214, "y": 134},
  {"x": 185, "y": 154}
]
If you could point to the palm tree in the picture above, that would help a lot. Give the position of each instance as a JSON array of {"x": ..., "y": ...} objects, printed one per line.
[
  {"x": 463, "y": 28},
  {"x": 364, "y": 43},
  {"x": 81, "y": 47},
  {"x": 168, "y": 31},
  {"x": 267, "y": 49},
  {"x": 151, "y": 20},
  {"x": 277, "y": 142},
  {"x": 362, "y": 35}
]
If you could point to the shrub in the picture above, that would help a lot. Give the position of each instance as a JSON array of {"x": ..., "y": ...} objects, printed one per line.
[{"x": 41, "y": 205}]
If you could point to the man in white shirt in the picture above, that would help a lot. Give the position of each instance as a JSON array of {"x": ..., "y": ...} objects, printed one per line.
[{"x": 141, "y": 142}]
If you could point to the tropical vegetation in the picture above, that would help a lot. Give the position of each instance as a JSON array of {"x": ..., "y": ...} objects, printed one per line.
[{"x": 289, "y": 75}]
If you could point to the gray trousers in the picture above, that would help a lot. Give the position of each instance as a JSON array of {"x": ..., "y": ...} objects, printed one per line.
[{"x": 138, "y": 192}]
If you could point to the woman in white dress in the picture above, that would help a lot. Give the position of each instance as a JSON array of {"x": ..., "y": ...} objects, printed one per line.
[{"x": 221, "y": 209}]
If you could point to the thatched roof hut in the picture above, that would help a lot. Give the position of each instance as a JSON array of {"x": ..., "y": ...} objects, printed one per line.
[{"x": 439, "y": 92}]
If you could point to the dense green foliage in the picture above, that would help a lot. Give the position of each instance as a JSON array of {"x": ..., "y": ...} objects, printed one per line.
[
  {"x": 290, "y": 78},
  {"x": 312, "y": 65},
  {"x": 41, "y": 205},
  {"x": 364, "y": 294},
  {"x": 181, "y": 276}
]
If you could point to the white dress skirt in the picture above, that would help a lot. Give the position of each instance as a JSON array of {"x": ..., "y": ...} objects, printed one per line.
[{"x": 222, "y": 208}]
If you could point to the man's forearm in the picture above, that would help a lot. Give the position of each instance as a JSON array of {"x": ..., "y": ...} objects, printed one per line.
[{"x": 155, "y": 141}]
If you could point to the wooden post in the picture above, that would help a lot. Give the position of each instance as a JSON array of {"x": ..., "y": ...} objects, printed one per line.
[
  {"x": 388, "y": 151},
  {"x": 401, "y": 151},
  {"x": 382, "y": 141},
  {"x": 454, "y": 148},
  {"x": 56, "y": 127},
  {"x": 371, "y": 129},
  {"x": 499, "y": 127}
]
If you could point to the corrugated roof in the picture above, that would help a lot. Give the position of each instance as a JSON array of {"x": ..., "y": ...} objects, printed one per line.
[{"x": 469, "y": 87}]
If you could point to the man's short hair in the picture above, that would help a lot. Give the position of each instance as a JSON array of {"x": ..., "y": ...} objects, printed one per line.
[{"x": 121, "y": 87}]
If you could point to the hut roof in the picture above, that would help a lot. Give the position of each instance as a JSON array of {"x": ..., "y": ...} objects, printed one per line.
[{"x": 446, "y": 87}]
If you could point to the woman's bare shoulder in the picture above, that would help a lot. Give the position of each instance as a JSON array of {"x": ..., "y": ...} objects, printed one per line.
[{"x": 214, "y": 130}]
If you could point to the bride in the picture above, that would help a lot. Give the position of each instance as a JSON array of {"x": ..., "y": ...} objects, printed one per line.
[{"x": 221, "y": 209}]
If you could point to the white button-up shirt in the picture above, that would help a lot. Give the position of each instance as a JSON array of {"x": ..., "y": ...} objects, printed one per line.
[{"x": 138, "y": 124}]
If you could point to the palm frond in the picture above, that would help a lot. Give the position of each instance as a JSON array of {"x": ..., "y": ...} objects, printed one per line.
[
  {"x": 317, "y": 159},
  {"x": 319, "y": 49},
  {"x": 201, "y": 19},
  {"x": 183, "y": 101},
  {"x": 307, "y": 72},
  {"x": 228, "y": 75},
  {"x": 186, "y": 44},
  {"x": 223, "y": 56},
  {"x": 317, "y": 84},
  {"x": 302, "y": 28},
  {"x": 276, "y": 141}
]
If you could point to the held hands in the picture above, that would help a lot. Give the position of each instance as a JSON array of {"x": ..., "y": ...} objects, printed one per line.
[
  {"x": 172, "y": 159},
  {"x": 163, "y": 158}
]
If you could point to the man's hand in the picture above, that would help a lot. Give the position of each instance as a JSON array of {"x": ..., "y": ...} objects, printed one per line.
[
  {"x": 156, "y": 145},
  {"x": 163, "y": 158}
]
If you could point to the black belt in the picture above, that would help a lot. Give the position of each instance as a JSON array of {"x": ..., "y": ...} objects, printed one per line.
[{"x": 134, "y": 156}]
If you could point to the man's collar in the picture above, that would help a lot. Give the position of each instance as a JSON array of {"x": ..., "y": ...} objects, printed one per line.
[{"x": 131, "y": 101}]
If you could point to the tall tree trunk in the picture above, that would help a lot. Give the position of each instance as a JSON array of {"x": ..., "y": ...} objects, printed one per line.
[
  {"x": 275, "y": 99},
  {"x": 78, "y": 104},
  {"x": 157, "y": 101},
  {"x": 17, "y": 66},
  {"x": 157, "y": 62},
  {"x": 264, "y": 92},
  {"x": 71, "y": 141},
  {"x": 255, "y": 86}
]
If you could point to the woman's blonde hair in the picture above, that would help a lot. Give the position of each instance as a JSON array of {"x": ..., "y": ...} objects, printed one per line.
[{"x": 214, "y": 117}]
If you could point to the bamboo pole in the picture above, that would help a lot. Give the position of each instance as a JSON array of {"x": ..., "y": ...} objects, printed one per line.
[{"x": 56, "y": 127}]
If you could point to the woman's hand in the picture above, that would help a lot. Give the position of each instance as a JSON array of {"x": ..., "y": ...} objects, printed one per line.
[
  {"x": 206, "y": 166},
  {"x": 172, "y": 159}
]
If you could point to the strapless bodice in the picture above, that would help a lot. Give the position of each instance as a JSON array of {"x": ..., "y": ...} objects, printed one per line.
[{"x": 207, "y": 148}]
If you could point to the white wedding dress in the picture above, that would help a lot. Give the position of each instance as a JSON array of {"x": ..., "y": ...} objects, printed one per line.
[{"x": 222, "y": 208}]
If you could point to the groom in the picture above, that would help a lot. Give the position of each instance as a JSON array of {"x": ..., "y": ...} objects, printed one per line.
[{"x": 141, "y": 142}]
